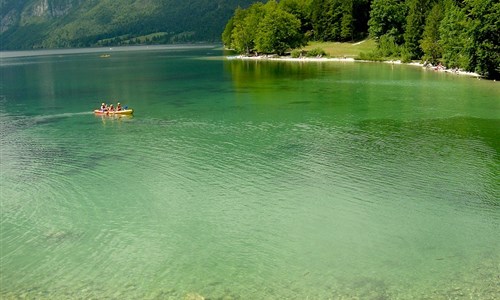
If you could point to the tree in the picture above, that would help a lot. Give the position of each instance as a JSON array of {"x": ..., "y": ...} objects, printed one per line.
[
  {"x": 265, "y": 28},
  {"x": 430, "y": 37},
  {"x": 326, "y": 16},
  {"x": 227, "y": 33},
  {"x": 415, "y": 23},
  {"x": 387, "y": 46},
  {"x": 244, "y": 28},
  {"x": 454, "y": 38},
  {"x": 360, "y": 16},
  {"x": 484, "y": 34},
  {"x": 347, "y": 21},
  {"x": 387, "y": 17},
  {"x": 300, "y": 9},
  {"x": 278, "y": 31}
]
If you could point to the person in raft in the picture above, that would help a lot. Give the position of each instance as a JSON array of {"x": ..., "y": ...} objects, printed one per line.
[
  {"x": 103, "y": 107},
  {"x": 111, "y": 108},
  {"x": 118, "y": 107}
]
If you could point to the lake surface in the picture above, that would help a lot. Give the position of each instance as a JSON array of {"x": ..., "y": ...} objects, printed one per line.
[{"x": 245, "y": 180}]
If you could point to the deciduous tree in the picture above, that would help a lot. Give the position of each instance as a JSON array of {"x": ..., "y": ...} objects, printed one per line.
[
  {"x": 387, "y": 17},
  {"x": 278, "y": 31}
]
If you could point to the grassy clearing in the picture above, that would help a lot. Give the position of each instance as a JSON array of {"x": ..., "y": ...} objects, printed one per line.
[
  {"x": 151, "y": 36},
  {"x": 127, "y": 38},
  {"x": 336, "y": 49}
]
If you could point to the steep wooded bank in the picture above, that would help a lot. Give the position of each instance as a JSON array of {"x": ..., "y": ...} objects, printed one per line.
[
  {"x": 31, "y": 24},
  {"x": 461, "y": 34}
]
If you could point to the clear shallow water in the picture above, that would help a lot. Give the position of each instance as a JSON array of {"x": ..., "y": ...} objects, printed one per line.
[{"x": 252, "y": 180}]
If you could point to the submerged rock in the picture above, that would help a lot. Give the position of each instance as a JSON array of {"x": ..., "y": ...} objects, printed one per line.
[
  {"x": 61, "y": 235},
  {"x": 193, "y": 296}
]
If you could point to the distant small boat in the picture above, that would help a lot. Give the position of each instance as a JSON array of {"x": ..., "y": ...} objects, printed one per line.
[
  {"x": 113, "y": 112},
  {"x": 105, "y": 56}
]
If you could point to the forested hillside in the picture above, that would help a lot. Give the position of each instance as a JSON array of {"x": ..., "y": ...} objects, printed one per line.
[
  {"x": 28, "y": 24},
  {"x": 457, "y": 33}
]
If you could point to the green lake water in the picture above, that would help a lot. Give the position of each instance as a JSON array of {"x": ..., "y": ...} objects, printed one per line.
[{"x": 245, "y": 180}]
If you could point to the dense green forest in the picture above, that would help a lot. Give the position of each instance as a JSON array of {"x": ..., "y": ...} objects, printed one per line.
[
  {"x": 461, "y": 34},
  {"x": 31, "y": 24}
]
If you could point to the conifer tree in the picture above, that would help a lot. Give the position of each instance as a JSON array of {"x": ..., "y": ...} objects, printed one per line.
[
  {"x": 415, "y": 23},
  {"x": 430, "y": 37}
]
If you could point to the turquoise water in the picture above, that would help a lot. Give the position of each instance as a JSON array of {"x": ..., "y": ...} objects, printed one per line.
[{"x": 245, "y": 180}]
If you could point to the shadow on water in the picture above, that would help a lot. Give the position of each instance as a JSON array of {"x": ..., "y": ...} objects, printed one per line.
[
  {"x": 460, "y": 147},
  {"x": 61, "y": 155},
  {"x": 486, "y": 130}
]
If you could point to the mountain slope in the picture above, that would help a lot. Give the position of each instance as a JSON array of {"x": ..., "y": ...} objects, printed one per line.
[{"x": 28, "y": 24}]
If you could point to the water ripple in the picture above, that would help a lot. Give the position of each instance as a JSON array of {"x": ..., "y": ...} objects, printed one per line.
[{"x": 226, "y": 193}]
